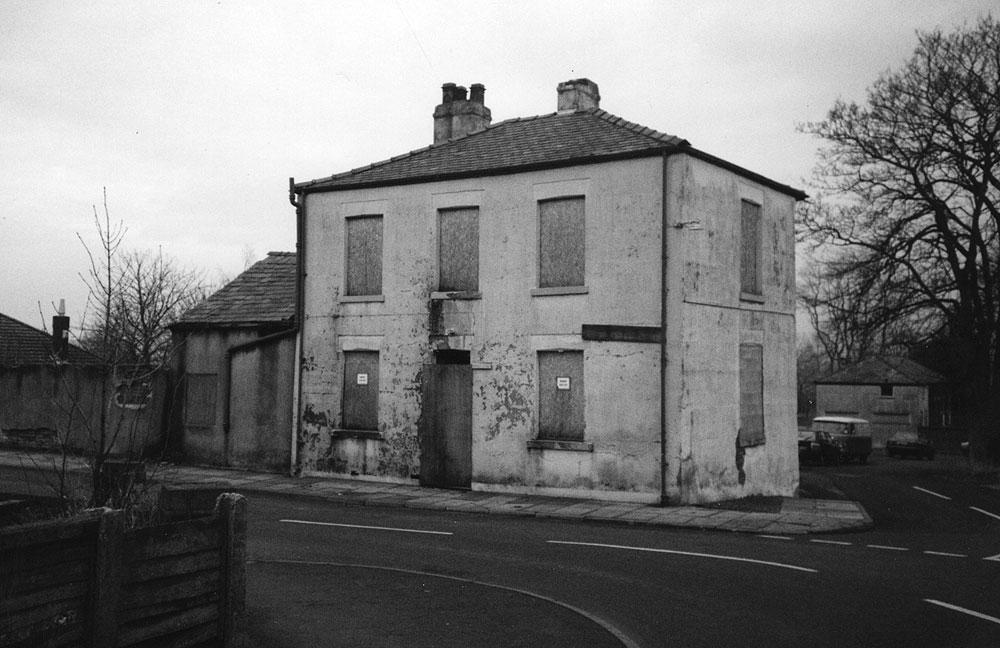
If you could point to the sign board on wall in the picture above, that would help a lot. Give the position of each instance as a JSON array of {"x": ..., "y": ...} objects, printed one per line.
[
  {"x": 562, "y": 382},
  {"x": 362, "y": 379}
]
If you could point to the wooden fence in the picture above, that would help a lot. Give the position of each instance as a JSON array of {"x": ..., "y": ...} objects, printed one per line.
[{"x": 90, "y": 582}]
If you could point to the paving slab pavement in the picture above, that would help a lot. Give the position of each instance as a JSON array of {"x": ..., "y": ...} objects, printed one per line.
[{"x": 796, "y": 515}]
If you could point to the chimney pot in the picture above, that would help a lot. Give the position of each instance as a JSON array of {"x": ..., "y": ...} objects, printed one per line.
[
  {"x": 460, "y": 93},
  {"x": 447, "y": 93},
  {"x": 477, "y": 92}
]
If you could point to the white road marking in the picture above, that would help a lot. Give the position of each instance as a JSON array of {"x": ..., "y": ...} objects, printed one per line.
[
  {"x": 833, "y": 542},
  {"x": 624, "y": 639},
  {"x": 773, "y": 537},
  {"x": 995, "y": 558},
  {"x": 685, "y": 553},
  {"x": 887, "y": 547},
  {"x": 978, "y": 615},
  {"x": 362, "y": 526},
  {"x": 979, "y": 510},
  {"x": 946, "y": 553},
  {"x": 930, "y": 492}
]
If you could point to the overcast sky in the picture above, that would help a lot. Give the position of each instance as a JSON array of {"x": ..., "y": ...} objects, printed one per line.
[{"x": 195, "y": 114}]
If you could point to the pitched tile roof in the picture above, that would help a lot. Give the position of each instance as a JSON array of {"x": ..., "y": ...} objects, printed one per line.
[
  {"x": 552, "y": 140},
  {"x": 24, "y": 345},
  {"x": 878, "y": 371},
  {"x": 263, "y": 294}
]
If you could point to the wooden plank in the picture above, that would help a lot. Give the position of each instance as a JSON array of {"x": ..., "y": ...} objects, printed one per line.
[
  {"x": 458, "y": 249},
  {"x": 49, "y": 531},
  {"x": 619, "y": 333},
  {"x": 560, "y": 395},
  {"x": 144, "y": 570},
  {"x": 53, "y": 637},
  {"x": 15, "y": 603},
  {"x": 160, "y": 608},
  {"x": 199, "y": 636},
  {"x": 169, "y": 589},
  {"x": 29, "y": 580},
  {"x": 561, "y": 242},
  {"x": 361, "y": 379},
  {"x": 133, "y": 633},
  {"x": 751, "y": 430},
  {"x": 177, "y": 538},
  {"x": 750, "y": 248},
  {"x": 50, "y": 614},
  {"x": 364, "y": 255}
]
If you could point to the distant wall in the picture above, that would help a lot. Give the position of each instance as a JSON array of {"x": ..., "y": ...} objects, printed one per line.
[
  {"x": 48, "y": 407},
  {"x": 904, "y": 411}
]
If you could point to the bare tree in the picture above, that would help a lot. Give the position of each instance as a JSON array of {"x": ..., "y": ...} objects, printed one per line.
[
  {"x": 913, "y": 181},
  {"x": 135, "y": 296},
  {"x": 857, "y": 309}
]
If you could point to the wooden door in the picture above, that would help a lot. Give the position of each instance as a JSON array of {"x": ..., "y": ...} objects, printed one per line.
[{"x": 446, "y": 426}]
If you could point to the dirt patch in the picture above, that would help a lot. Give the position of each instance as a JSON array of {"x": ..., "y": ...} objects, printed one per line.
[{"x": 753, "y": 504}]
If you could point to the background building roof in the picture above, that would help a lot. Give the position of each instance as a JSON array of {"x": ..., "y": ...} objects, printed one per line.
[
  {"x": 514, "y": 145},
  {"x": 878, "y": 371},
  {"x": 263, "y": 294},
  {"x": 22, "y": 345}
]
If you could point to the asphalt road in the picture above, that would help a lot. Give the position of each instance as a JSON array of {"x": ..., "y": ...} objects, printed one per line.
[{"x": 323, "y": 575}]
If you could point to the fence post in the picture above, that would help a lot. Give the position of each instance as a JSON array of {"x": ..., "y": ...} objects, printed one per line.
[
  {"x": 108, "y": 568},
  {"x": 232, "y": 512}
]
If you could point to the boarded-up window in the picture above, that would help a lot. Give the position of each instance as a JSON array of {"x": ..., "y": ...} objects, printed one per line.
[
  {"x": 458, "y": 249},
  {"x": 750, "y": 242},
  {"x": 364, "y": 255},
  {"x": 560, "y": 395},
  {"x": 561, "y": 242},
  {"x": 199, "y": 400},
  {"x": 361, "y": 390},
  {"x": 751, "y": 395}
]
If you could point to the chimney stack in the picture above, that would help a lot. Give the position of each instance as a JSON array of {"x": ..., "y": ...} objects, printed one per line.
[
  {"x": 578, "y": 94},
  {"x": 457, "y": 116},
  {"x": 60, "y": 332}
]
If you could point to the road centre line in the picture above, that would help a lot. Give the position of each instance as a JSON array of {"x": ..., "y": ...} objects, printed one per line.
[
  {"x": 773, "y": 537},
  {"x": 946, "y": 553},
  {"x": 930, "y": 492},
  {"x": 978, "y": 615},
  {"x": 362, "y": 526},
  {"x": 685, "y": 553},
  {"x": 979, "y": 510},
  {"x": 887, "y": 547},
  {"x": 842, "y": 543}
]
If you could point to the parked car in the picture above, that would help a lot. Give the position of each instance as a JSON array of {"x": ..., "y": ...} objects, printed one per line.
[
  {"x": 817, "y": 447},
  {"x": 909, "y": 444},
  {"x": 851, "y": 436}
]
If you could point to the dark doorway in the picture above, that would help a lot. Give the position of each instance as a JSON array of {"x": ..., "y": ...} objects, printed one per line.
[{"x": 446, "y": 423}]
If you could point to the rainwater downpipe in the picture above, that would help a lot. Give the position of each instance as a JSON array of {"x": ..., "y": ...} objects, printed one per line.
[
  {"x": 664, "y": 268},
  {"x": 300, "y": 260}
]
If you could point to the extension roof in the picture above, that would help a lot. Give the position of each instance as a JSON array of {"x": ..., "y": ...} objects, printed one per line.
[
  {"x": 880, "y": 371},
  {"x": 264, "y": 294},
  {"x": 24, "y": 345},
  {"x": 557, "y": 139}
]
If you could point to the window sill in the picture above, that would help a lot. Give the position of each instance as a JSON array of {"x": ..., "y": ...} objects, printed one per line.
[
  {"x": 559, "y": 290},
  {"x": 355, "y": 299},
  {"x": 554, "y": 444},
  {"x": 342, "y": 433},
  {"x": 753, "y": 298},
  {"x": 456, "y": 294}
]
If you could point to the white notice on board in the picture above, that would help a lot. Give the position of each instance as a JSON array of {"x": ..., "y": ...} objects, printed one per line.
[
  {"x": 562, "y": 382},
  {"x": 362, "y": 379}
]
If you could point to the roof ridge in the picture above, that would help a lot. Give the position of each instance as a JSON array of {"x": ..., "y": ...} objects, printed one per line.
[
  {"x": 637, "y": 128},
  {"x": 449, "y": 141}
]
